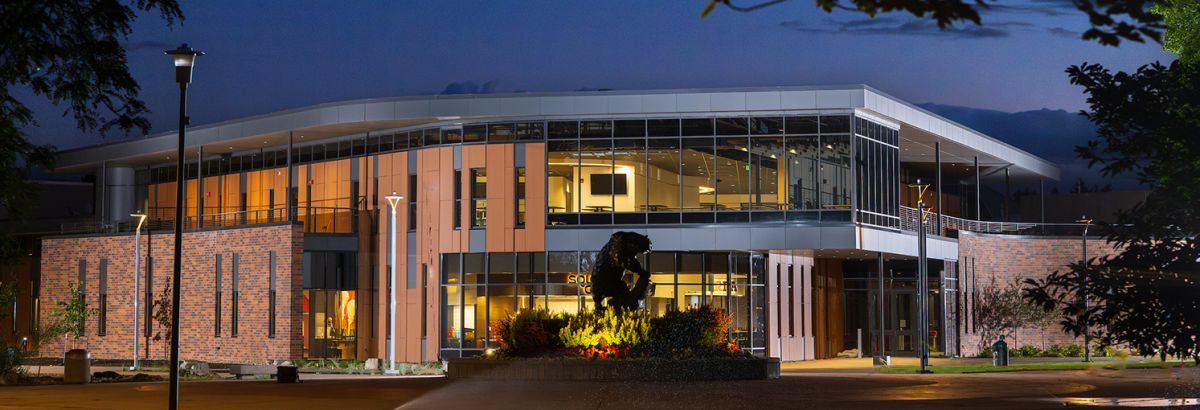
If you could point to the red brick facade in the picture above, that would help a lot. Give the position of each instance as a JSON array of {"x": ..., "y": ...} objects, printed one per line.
[
  {"x": 253, "y": 245},
  {"x": 1003, "y": 258}
]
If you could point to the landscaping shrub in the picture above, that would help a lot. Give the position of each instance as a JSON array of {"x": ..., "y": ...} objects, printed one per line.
[
  {"x": 1067, "y": 350},
  {"x": 1026, "y": 351},
  {"x": 529, "y": 332},
  {"x": 694, "y": 332},
  {"x": 612, "y": 333},
  {"x": 10, "y": 363}
]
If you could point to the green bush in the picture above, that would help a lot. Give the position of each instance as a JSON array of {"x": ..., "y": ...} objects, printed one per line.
[
  {"x": 529, "y": 332},
  {"x": 985, "y": 352},
  {"x": 700, "y": 331},
  {"x": 611, "y": 328},
  {"x": 1026, "y": 351},
  {"x": 1067, "y": 350},
  {"x": 10, "y": 363}
]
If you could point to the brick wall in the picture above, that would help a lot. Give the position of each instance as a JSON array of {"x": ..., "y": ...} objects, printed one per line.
[
  {"x": 1008, "y": 258},
  {"x": 60, "y": 267}
]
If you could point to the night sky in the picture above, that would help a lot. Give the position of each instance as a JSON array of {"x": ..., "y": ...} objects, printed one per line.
[{"x": 268, "y": 56}]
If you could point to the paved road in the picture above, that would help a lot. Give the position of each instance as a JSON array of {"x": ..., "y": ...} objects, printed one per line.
[{"x": 794, "y": 390}]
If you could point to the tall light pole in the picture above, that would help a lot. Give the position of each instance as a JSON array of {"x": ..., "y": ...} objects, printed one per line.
[
  {"x": 137, "y": 283},
  {"x": 922, "y": 279},
  {"x": 185, "y": 58},
  {"x": 1087, "y": 333},
  {"x": 392, "y": 199}
]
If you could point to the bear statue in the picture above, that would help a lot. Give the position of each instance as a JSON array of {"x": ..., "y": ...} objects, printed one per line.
[{"x": 616, "y": 257}]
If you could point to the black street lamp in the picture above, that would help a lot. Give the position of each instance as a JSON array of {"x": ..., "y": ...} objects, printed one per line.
[
  {"x": 184, "y": 58},
  {"x": 1087, "y": 332},
  {"x": 922, "y": 279}
]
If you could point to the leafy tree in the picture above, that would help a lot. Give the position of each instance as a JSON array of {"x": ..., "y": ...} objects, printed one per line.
[
  {"x": 1001, "y": 309},
  {"x": 1182, "y": 37},
  {"x": 1147, "y": 123},
  {"x": 1112, "y": 21},
  {"x": 71, "y": 314},
  {"x": 161, "y": 314},
  {"x": 69, "y": 52}
]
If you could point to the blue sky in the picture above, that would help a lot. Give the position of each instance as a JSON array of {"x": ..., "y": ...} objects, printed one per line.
[{"x": 267, "y": 56}]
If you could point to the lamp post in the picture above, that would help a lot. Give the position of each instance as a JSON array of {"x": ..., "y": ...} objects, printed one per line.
[
  {"x": 137, "y": 283},
  {"x": 1087, "y": 333},
  {"x": 922, "y": 279},
  {"x": 184, "y": 58},
  {"x": 392, "y": 199}
]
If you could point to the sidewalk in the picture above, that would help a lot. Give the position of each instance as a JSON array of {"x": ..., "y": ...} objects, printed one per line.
[{"x": 865, "y": 365}]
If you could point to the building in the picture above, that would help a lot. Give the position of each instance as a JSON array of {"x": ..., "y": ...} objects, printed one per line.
[{"x": 792, "y": 208}]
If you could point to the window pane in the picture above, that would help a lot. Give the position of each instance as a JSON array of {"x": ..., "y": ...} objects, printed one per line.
[
  {"x": 595, "y": 129},
  {"x": 733, "y": 174},
  {"x": 663, "y": 174},
  {"x": 802, "y": 152},
  {"x": 835, "y": 171},
  {"x": 473, "y": 133},
  {"x": 732, "y": 126},
  {"x": 500, "y": 132},
  {"x": 697, "y": 126},
  {"x": 629, "y": 128},
  {"x": 835, "y": 124},
  {"x": 563, "y": 129},
  {"x": 698, "y": 185},
  {"x": 663, "y": 127},
  {"x": 766, "y": 125},
  {"x": 596, "y": 180},
  {"x": 562, "y": 179},
  {"x": 629, "y": 175},
  {"x": 451, "y": 136},
  {"x": 801, "y": 125},
  {"x": 767, "y": 173}
]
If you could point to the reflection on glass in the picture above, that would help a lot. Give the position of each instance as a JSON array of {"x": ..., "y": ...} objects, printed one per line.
[
  {"x": 699, "y": 175},
  {"x": 767, "y": 173},
  {"x": 662, "y": 157},
  {"x": 629, "y": 175},
  {"x": 733, "y": 173},
  {"x": 835, "y": 171},
  {"x": 562, "y": 179}
]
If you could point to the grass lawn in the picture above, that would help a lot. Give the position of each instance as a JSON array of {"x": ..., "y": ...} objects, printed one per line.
[{"x": 1016, "y": 367}]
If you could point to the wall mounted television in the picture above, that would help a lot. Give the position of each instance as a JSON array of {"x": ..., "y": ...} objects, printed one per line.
[{"x": 610, "y": 184}]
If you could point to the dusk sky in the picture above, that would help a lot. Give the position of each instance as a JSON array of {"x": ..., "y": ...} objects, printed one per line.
[{"x": 269, "y": 56}]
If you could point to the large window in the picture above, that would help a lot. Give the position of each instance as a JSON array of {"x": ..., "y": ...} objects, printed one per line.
[
  {"x": 478, "y": 289},
  {"x": 478, "y": 197},
  {"x": 699, "y": 170},
  {"x": 877, "y": 161},
  {"x": 329, "y": 305}
]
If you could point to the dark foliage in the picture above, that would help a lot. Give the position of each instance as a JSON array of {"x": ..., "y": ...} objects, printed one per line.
[
  {"x": 529, "y": 332},
  {"x": 1145, "y": 296},
  {"x": 687, "y": 333},
  {"x": 70, "y": 52},
  {"x": 1112, "y": 21}
]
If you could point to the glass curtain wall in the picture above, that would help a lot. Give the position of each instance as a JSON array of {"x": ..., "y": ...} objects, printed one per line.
[
  {"x": 699, "y": 170},
  {"x": 329, "y": 305},
  {"x": 877, "y": 161},
  {"x": 480, "y": 288}
]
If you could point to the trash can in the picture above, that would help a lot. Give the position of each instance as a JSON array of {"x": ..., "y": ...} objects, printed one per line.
[
  {"x": 77, "y": 367},
  {"x": 1000, "y": 352},
  {"x": 287, "y": 374}
]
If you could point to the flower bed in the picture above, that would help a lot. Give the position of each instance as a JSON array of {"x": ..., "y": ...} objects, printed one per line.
[{"x": 615, "y": 345}]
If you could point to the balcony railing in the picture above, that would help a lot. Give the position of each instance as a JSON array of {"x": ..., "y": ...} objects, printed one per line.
[
  {"x": 909, "y": 222},
  {"x": 316, "y": 219}
]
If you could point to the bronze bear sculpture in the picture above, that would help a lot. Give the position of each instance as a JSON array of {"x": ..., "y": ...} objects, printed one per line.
[{"x": 616, "y": 257}]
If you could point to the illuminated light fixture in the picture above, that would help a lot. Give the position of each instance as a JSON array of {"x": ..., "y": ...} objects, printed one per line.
[
  {"x": 772, "y": 156},
  {"x": 745, "y": 150},
  {"x": 706, "y": 190},
  {"x": 828, "y": 146},
  {"x": 793, "y": 150}
]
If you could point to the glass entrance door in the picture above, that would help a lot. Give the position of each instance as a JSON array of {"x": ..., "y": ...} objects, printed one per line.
[{"x": 904, "y": 309}]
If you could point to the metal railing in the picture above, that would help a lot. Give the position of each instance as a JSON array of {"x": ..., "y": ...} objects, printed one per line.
[
  {"x": 950, "y": 224},
  {"x": 317, "y": 219}
]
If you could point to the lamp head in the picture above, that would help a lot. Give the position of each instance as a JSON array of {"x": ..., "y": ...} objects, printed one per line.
[
  {"x": 393, "y": 199},
  {"x": 185, "y": 58},
  {"x": 140, "y": 217}
]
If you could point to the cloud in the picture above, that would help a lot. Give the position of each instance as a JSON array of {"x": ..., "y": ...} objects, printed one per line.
[
  {"x": 1052, "y": 8},
  {"x": 894, "y": 26}
]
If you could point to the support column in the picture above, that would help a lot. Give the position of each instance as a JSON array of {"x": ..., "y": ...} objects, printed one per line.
[
  {"x": 287, "y": 191},
  {"x": 881, "y": 297},
  {"x": 1007, "y": 195},
  {"x": 978, "y": 192},
  {"x": 937, "y": 160},
  {"x": 199, "y": 186}
]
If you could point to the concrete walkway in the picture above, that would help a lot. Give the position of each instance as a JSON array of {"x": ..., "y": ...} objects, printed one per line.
[{"x": 1047, "y": 389}]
